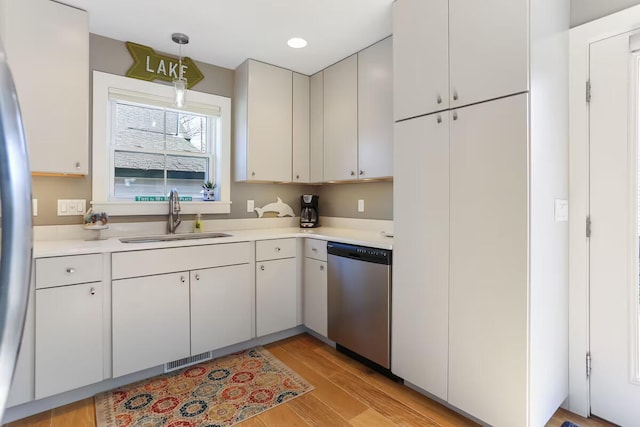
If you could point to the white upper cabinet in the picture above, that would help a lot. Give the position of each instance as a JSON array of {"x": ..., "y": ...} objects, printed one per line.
[
  {"x": 47, "y": 46},
  {"x": 489, "y": 49},
  {"x": 375, "y": 111},
  {"x": 300, "y": 128},
  {"x": 263, "y": 122},
  {"x": 316, "y": 131},
  {"x": 341, "y": 120},
  {"x": 452, "y": 53},
  {"x": 420, "y": 57}
]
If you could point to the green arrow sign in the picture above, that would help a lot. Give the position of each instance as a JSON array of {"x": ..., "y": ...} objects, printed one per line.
[{"x": 149, "y": 66}]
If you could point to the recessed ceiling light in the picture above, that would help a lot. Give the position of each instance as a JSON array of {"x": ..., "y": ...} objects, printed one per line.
[{"x": 297, "y": 43}]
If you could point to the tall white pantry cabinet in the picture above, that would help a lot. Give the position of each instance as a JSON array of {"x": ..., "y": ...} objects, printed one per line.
[{"x": 480, "y": 286}]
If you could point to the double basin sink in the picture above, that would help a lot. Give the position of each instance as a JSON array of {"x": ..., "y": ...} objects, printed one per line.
[{"x": 172, "y": 237}]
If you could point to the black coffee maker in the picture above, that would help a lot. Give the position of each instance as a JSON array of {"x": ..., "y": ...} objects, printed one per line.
[{"x": 309, "y": 211}]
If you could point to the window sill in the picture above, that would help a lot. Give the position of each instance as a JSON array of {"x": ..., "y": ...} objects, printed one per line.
[{"x": 159, "y": 208}]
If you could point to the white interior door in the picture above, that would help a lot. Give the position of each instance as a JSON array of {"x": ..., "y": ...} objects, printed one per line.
[{"x": 613, "y": 246}]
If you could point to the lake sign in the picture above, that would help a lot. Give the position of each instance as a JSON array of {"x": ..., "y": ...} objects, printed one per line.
[{"x": 149, "y": 65}]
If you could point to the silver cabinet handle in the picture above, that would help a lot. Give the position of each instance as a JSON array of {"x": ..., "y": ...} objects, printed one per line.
[
  {"x": 277, "y": 249},
  {"x": 314, "y": 250},
  {"x": 455, "y": 115},
  {"x": 197, "y": 277},
  {"x": 455, "y": 95},
  {"x": 92, "y": 291},
  {"x": 353, "y": 173},
  {"x": 322, "y": 268},
  {"x": 439, "y": 99},
  {"x": 253, "y": 174},
  {"x": 262, "y": 267},
  {"x": 297, "y": 176},
  {"x": 439, "y": 119},
  {"x": 361, "y": 172},
  {"x": 71, "y": 270},
  {"x": 77, "y": 165},
  {"x": 182, "y": 279}
]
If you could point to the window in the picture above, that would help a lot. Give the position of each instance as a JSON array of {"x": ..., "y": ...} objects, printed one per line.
[{"x": 143, "y": 147}]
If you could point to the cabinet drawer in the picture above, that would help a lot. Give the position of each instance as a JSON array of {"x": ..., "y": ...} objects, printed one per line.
[
  {"x": 316, "y": 249},
  {"x": 169, "y": 260},
  {"x": 275, "y": 249},
  {"x": 68, "y": 270}
]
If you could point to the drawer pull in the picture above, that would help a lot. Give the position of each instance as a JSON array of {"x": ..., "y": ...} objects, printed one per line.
[
  {"x": 277, "y": 249},
  {"x": 314, "y": 249},
  {"x": 262, "y": 267},
  {"x": 92, "y": 291},
  {"x": 322, "y": 268},
  {"x": 197, "y": 277},
  {"x": 71, "y": 270},
  {"x": 182, "y": 279}
]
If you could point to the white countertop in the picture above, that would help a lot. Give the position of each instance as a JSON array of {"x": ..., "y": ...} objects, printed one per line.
[{"x": 375, "y": 239}]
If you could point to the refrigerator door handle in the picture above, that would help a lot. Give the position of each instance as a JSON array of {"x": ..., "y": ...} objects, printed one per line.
[{"x": 16, "y": 248}]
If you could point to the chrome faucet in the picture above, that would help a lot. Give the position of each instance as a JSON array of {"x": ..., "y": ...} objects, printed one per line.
[{"x": 174, "y": 211}]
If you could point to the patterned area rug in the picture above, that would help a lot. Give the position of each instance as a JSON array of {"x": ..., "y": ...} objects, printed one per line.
[{"x": 220, "y": 392}]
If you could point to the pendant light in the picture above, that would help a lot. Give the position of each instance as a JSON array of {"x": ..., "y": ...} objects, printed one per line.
[{"x": 180, "y": 84}]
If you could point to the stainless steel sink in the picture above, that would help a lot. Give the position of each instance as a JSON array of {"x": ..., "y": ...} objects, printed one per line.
[{"x": 172, "y": 237}]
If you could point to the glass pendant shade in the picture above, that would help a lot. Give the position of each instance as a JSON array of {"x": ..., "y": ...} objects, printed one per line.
[{"x": 180, "y": 86}]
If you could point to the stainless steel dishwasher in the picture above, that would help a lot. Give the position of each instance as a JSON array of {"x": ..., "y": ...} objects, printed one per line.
[{"x": 359, "y": 300}]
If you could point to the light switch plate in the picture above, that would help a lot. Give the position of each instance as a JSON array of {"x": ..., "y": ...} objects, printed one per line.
[
  {"x": 71, "y": 207},
  {"x": 360, "y": 205},
  {"x": 250, "y": 206},
  {"x": 34, "y": 206},
  {"x": 561, "y": 210}
]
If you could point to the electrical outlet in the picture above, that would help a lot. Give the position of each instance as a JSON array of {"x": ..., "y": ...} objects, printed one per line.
[
  {"x": 250, "y": 206},
  {"x": 360, "y": 205}
]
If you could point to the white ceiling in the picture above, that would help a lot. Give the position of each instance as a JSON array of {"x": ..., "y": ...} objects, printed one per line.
[{"x": 226, "y": 32}]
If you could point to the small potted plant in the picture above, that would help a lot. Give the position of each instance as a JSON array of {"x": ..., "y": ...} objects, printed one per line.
[{"x": 208, "y": 191}]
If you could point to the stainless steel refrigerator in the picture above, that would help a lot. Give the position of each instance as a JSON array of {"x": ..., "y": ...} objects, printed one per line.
[{"x": 16, "y": 248}]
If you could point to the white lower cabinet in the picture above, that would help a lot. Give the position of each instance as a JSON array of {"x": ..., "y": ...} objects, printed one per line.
[
  {"x": 421, "y": 253},
  {"x": 276, "y": 295},
  {"x": 221, "y": 309},
  {"x": 68, "y": 343},
  {"x": 150, "y": 321},
  {"x": 315, "y": 295}
]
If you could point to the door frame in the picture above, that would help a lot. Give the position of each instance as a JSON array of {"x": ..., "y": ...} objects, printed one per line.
[{"x": 580, "y": 38}]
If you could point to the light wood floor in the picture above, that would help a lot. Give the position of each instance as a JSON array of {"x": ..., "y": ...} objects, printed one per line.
[{"x": 346, "y": 394}]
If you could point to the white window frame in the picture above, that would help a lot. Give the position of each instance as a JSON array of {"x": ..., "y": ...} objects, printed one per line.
[{"x": 103, "y": 83}]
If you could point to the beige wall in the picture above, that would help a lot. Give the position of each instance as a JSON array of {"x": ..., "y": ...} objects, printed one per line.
[{"x": 111, "y": 56}]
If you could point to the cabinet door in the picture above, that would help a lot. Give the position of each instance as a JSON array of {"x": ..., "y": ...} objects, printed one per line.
[
  {"x": 300, "y": 128},
  {"x": 488, "y": 45},
  {"x": 150, "y": 321},
  {"x": 315, "y": 295},
  {"x": 341, "y": 120},
  {"x": 55, "y": 109},
  {"x": 420, "y": 57},
  {"x": 488, "y": 277},
  {"x": 375, "y": 111},
  {"x": 421, "y": 253},
  {"x": 221, "y": 307},
  {"x": 68, "y": 338},
  {"x": 316, "y": 124},
  {"x": 276, "y": 296},
  {"x": 270, "y": 123}
]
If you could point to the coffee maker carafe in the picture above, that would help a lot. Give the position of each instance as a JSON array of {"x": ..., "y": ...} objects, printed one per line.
[{"x": 309, "y": 211}]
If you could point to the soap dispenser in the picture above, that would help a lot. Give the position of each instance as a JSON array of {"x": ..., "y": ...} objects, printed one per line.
[{"x": 197, "y": 226}]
